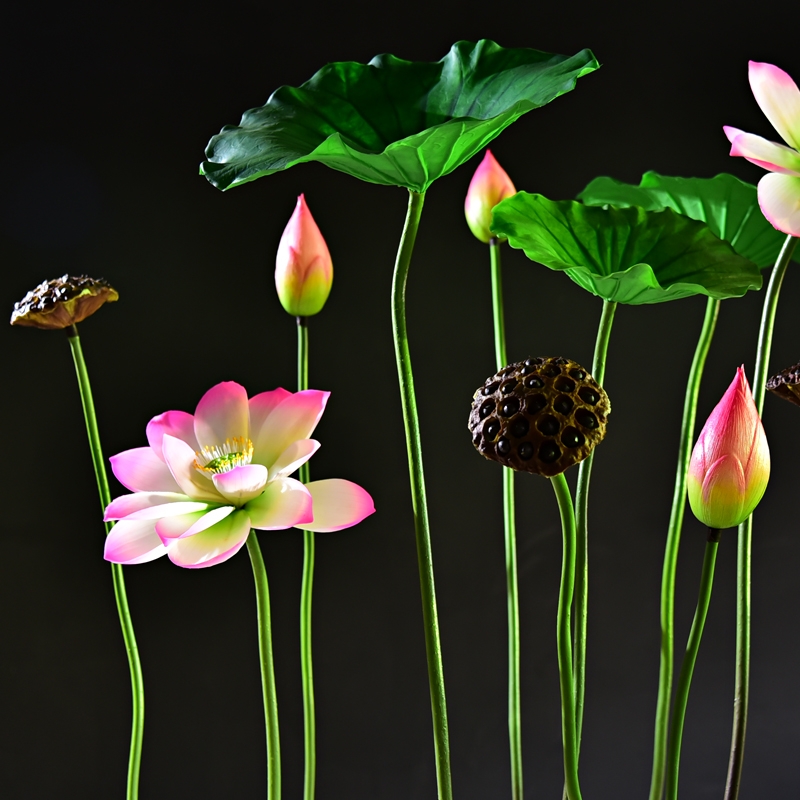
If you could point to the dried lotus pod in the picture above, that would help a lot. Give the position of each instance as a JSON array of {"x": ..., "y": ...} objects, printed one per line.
[
  {"x": 786, "y": 384},
  {"x": 540, "y": 415},
  {"x": 62, "y": 302}
]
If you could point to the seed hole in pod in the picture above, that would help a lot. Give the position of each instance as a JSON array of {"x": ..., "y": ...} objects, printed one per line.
[
  {"x": 551, "y": 370},
  {"x": 564, "y": 384},
  {"x": 548, "y": 425},
  {"x": 563, "y": 404},
  {"x": 519, "y": 427},
  {"x": 505, "y": 372},
  {"x": 535, "y": 403},
  {"x": 588, "y": 395},
  {"x": 525, "y": 451},
  {"x": 490, "y": 389},
  {"x": 486, "y": 409},
  {"x": 532, "y": 362},
  {"x": 560, "y": 360},
  {"x": 476, "y": 439},
  {"x": 578, "y": 374},
  {"x": 586, "y": 418},
  {"x": 549, "y": 452},
  {"x": 527, "y": 370},
  {"x": 491, "y": 429},
  {"x": 509, "y": 407},
  {"x": 503, "y": 446},
  {"x": 572, "y": 437},
  {"x": 534, "y": 382},
  {"x": 508, "y": 387}
]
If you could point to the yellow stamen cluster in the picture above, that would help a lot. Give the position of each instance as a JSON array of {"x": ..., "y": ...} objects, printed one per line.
[{"x": 233, "y": 452}]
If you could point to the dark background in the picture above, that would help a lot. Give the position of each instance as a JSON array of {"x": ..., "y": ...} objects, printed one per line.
[{"x": 107, "y": 110}]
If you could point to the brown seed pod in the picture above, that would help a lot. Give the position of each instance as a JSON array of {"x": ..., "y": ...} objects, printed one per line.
[
  {"x": 540, "y": 415},
  {"x": 786, "y": 384}
]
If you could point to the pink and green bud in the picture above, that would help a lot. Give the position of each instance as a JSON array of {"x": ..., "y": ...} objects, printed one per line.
[
  {"x": 729, "y": 469},
  {"x": 303, "y": 266},
  {"x": 489, "y": 185}
]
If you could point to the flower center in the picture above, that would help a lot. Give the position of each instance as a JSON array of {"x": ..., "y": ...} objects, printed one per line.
[{"x": 232, "y": 453}]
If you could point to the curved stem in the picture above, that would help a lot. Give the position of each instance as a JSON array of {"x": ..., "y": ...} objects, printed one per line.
[
  {"x": 568, "y": 726},
  {"x": 510, "y": 537},
  {"x": 582, "y": 521},
  {"x": 306, "y": 593},
  {"x": 433, "y": 647},
  {"x": 267, "y": 669},
  {"x": 134, "y": 664},
  {"x": 666, "y": 666},
  {"x": 687, "y": 668},
  {"x": 741, "y": 692}
]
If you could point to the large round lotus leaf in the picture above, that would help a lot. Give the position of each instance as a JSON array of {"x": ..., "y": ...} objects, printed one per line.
[
  {"x": 727, "y": 205},
  {"x": 394, "y": 122},
  {"x": 625, "y": 255}
]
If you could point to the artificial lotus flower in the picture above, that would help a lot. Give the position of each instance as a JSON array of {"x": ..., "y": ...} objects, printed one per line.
[
  {"x": 778, "y": 193},
  {"x": 206, "y": 480},
  {"x": 303, "y": 266},
  {"x": 729, "y": 469},
  {"x": 489, "y": 185}
]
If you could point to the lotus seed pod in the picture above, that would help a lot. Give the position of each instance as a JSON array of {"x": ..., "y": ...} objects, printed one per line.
[
  {"x": 540, "y": 415},
  {"x": 786, "y": 384}
]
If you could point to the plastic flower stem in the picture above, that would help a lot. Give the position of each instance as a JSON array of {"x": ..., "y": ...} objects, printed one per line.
[
  {"x": 564, "y": 639},
  {"x": 514, "y": 713},
  {"x": 135, "y": 666},
  {"x": 741, "y": 692},
  {"x": 666, "y": 667},
  {"x": 687, "y": 667},
  {"x": 267, "y": 668},
  {"x": 581, "y": 519},
  {"x": 433, "y": 646},
  {"x": 306, "y": 592}
]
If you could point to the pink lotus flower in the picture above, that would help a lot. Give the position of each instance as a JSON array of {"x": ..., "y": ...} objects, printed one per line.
[
  {"x": 206, "y": 480},
  {"x": 303, "y": 266},
  {"x": 489, "y": 185},
  {"x": 729, "y": 469},
  {"x": 778, "y": 193}
]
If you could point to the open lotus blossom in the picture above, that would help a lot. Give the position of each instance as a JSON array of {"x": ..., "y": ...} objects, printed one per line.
[
  {"x": 778, "y": 193},
  {"x": 730, "y": 465},
  {"x": 206, "y": 480}
]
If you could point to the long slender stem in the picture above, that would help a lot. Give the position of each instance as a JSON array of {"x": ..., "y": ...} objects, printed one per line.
[
  {"x": 433, "y": 647},
  {"x": 741, "y": 692},
  {"x": 267, "y": 668},
  {"x": 134, "y": 664},
  {"x": 510, "y": 537},
  {"x": 306, "y": 594},
  {"x": 582, "y": 521},
  {"x": 568, "y": 727},
  {"x": 666, "y": 666},
  {"x": 687, "y": 667}
]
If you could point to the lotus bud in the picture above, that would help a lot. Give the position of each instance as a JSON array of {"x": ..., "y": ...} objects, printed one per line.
[
  {"x": 303, "y": 267},
  {"x": 62, "y": 302},
  {"x": 489, "y": 185},
  {"x": 729, "y": 469}
]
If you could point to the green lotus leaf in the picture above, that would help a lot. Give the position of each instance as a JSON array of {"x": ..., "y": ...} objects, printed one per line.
[
  {"x": 393, "y": 122},
  {"x": 727, "y": 205},
  {"x": 626, "y": 255}
]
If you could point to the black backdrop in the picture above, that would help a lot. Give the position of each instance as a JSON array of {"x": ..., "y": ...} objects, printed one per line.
[{"x": 107, "y": 110}]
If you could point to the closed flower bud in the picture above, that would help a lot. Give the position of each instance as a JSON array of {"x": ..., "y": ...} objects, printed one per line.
[
  {"x": 489, "y": 185},
  {"x": 303, "y": 267},
  {"x": 729, "y": 469}
]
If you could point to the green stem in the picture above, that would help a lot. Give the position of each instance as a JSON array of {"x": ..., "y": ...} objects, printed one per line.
[
  {"x": 433, "y": 647},
  {"x": 568, "y": 726},
  {"x": 306, "y": 592},
  {"x": 509, "y": 527},
  {"x": 687, "y": 668},
  {"x": 267, "y": 669},
  {"x": 582, "y": 520},
  {"x": 741, "y": 692},
  {"x": 666, "y": 667},
  {"x": 134, "y": 664}
]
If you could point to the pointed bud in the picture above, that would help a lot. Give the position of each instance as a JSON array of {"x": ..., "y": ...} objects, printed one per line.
[
  {"x": 303, "y": 267},
  {"x": 729, "y": 469},
  {"x": 489, "y": 185}
]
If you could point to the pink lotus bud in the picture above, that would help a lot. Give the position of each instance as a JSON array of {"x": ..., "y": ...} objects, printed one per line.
[
  {"x": 303, "y": 267},
  {"x": 729, "y": 469},
  {"x": 489, "y": 185}
]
